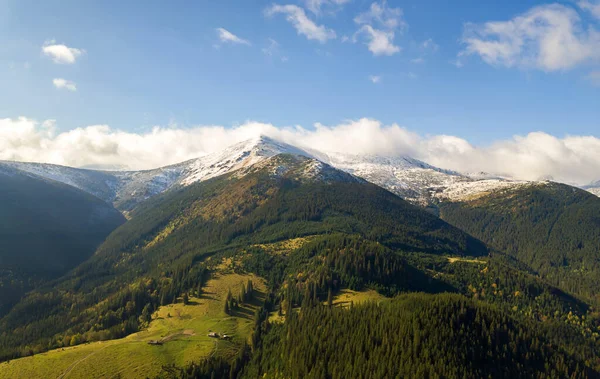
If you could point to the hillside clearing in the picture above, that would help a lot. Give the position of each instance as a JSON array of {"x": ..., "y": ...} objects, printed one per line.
[{"x": 464, "y": 260}]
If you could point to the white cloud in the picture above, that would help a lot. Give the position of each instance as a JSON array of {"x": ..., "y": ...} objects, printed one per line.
[
  {"x": 226, "y": 36},
  {"x": 64, "y": 84},
  {"x": 378, "y": 26},
  {"x": 317, "y": 6},
  {"x": 375, "y": 78},
  {"x": 549, "y": 37},
  {"x": 380, "y": 42},
  {"x": 303, "y": 25},
  {"x": 572, "y": 159},
  {"x": 417, "y": 61},
  {"x": 591, "y": 6},
  {"x": 61, "y": 54},
  {"x": 381, "y": 14}
]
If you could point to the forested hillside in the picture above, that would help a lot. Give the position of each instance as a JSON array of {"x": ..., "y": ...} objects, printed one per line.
[
  {"x": 157, "y": 255},
  {"x": 46, "y": 228},
  {"x": 420, "y": 336},
  {"x": 313, "y": 232},
  {"x": 552, "y": 228},
  {"x": 412, "y": 336}
]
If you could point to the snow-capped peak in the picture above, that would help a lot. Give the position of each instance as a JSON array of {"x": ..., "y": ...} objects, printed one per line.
[{"x": 240, "y": 155}]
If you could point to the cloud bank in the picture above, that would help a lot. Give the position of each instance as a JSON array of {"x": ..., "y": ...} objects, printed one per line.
[{"x": 538, "y": 155}]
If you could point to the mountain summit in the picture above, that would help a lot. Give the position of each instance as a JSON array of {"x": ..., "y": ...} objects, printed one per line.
[{"x": 240, "y": 155}]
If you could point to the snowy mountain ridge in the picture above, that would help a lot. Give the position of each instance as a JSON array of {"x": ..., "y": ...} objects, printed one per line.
[
  {"x": 593, "y": 188},
  {"x": 411, "y": 179},
  {"x": 126, "y": 189}
]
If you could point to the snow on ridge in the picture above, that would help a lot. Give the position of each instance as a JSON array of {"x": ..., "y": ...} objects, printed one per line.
[
  {"x": 593, "y": 188},
  {"x": 90, "y": 181},
  {"x": 301, "y": 167},
  {"x": 595, "y": 191},
  {"x": 409, "y": 178},
  {"x": 470, "y": 190}
]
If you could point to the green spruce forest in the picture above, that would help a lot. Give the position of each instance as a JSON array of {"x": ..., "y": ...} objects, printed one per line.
[{"x": 554, "y": 229}]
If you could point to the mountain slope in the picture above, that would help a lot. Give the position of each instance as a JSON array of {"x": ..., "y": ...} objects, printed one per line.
[
  {"x": 155, "y": 255},
  {"x": 46, "y": 228},
  {"x": 553, "y": 228}
]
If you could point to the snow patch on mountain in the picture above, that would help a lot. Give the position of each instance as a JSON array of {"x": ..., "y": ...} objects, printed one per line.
[
  {"x": 466, "y": 191},
  {"x": 409, "y": 178},
  {"x": 301, "y": 167},
  {"x": 593, "y": 188},
  {"x": 94, "y": 182},
  {"x": 595, "y": 191}
]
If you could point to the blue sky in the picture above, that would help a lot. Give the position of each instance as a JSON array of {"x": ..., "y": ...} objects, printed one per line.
[{"x": 157, "y": 63}]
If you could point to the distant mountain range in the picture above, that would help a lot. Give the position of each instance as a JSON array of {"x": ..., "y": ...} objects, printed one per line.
[{"x": 411, "y": 179}]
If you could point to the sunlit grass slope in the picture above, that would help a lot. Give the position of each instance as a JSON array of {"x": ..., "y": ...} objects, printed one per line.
[{"x": 182, "y": 330}]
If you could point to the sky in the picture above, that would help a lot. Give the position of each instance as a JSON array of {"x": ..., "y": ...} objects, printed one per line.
[{"x": 507, "y": 86}]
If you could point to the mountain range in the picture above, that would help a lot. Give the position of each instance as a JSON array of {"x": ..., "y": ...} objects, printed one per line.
[
  {"x": 270, "y": 260},
  {"x": 411, "y": 179}
]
